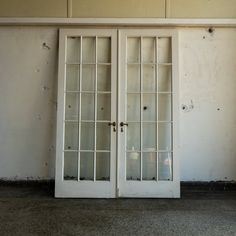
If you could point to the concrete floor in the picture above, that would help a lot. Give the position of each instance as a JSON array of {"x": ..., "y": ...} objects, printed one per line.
[{"x": 33, "y": 211}]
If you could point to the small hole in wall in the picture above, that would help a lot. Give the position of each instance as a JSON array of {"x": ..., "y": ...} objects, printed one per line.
[{"x": 210, "y": 30}]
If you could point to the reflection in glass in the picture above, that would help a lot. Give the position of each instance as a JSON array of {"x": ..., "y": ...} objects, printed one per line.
[
  {"x": 133, "y": 78},
  {"x": 133, "y": 166},
  {"x": 165, "y": 166},
  {"x": 87, "y": 136},
  {"x": 133, "y": 136},
  {"x": 72, "y": 77},
  {"x": 149, "y": 166},
  {"x": 149, "y": 107},
  {"x": 104, "y": 50},
  {"x": 88, "y": 50},
  {"x": 149, "y": 81},
  {"x": 104, "y": 78},
  {"x": 148, "y": 50},
  {"x": 104, "y": 107},
  {"x": 87, "y": 106},
  {"x": 164, "y": 50},
  {"x": 71, "y": 136},
  {"x": 70, "y": 166},
  {"x": 133, "y": 50},
  {"x": 103, "y": 136},
  {"x": 164, "y": 107},
  {"x": 73, "y": 50},
  {"x": 164, "y": 136},
  {"x": 103, "y": 166},
  {"x": 149, "y": 136},
  {"x": 88, "y": 78},
  {"x": 86, "y": 166},
  {"x": 72, "y": 106},
  {"x": 133, "y": 107},
  {"x": 164, "y": 78}
]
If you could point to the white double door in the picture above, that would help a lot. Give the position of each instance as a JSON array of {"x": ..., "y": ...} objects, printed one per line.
[{"x": 117, "y": 114}]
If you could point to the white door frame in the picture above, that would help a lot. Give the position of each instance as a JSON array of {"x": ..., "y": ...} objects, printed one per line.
[
  {"x": 69, "y": 188},
  {"x": 148, "y": 189},
  {"x": 84, "y": 189}
]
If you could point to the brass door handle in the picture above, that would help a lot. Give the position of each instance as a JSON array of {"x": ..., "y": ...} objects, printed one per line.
[{"x": 113, "y": 124}]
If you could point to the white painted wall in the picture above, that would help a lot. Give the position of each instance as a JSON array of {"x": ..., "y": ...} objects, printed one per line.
[
  {"x": 208, "y": 78},
  {"x": 28, "y": 86}
]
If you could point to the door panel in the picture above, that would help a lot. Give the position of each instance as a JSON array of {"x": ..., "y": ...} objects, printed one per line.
[
  {"x": 86, "y": 163},
  {"x": 148, "y": 86}
]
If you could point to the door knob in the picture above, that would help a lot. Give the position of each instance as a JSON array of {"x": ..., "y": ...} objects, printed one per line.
[
  {"x": 113, "y": 124},
  {"x": 122, "y": 124}
]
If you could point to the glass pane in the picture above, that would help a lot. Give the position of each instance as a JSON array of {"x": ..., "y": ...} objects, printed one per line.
[
  {"x": 164, "y": 50},
  {"x": 133, "y": 136},
  {"x": 104, "y": 107},
  {"x": 86, "y": 166},
  {"x": 72, "y": 106},
  {"x": 88, "y": 50},
  {"x": 73, "y": 50},
  {"x": 103, "y": 166},
  {"x": 104, "y": 78},
  {"x": 88, "y": 77},
  {"x": 133, "y": 166},
  {"x": 164, "y": 136},
  {"x": 148, "y": 50},
  {"x": 104, "y": 50},
  {"x": 149, "y": 166},
  {"x": 165, "y": 166},
  {"x": 103, "y": 136},
  {"x": 70, "y": 166},
  {"x": 164, "y": 107},
  {"x": 149, "y": 84},
  {"x": 164, "y": 79},
  {"x": 133, "y": 50},
  {"x": 149, "y": 136},
  {"x": 133, "y": 107},
  {"x": 71, "y": 136},
  {"x": 87, "y": 106},
  {"x": 133, "y": 78},
  {"x": 72, "y": 78},
  {"x": 149, "y": 107},
  {"x": 87, "y": 136}
]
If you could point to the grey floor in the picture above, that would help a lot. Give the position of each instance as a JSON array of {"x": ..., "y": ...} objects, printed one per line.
[{"x": 33, "y": 211}]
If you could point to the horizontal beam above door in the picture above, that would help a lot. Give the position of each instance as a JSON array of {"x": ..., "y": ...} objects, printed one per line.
[{"x": 119, "y": 22}]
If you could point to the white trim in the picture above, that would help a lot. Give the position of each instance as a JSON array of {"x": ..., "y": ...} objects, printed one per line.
[{"x": 119, "y": 21}]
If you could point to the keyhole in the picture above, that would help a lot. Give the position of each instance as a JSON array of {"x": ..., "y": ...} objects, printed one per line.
[{"x": 145, "y": 108}]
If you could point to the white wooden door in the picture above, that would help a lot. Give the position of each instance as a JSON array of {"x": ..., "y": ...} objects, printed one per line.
[
  {"x": 148, "y": 103},
  {"x": 121, "y": 144},
  {"x": 86, "y": 135}
]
